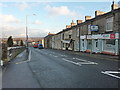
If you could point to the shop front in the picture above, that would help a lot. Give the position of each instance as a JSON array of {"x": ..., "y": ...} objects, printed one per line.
[
  {"x": 96, "y": 43},
  {"x": 67, "y": 44},
  {"x": 110, "y": 44}
]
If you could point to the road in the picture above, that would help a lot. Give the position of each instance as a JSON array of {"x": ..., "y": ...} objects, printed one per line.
[{"x": 49, "y": 68}]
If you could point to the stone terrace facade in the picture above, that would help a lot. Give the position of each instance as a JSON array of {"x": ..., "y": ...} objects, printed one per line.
[{"x": 96, "y": 35}]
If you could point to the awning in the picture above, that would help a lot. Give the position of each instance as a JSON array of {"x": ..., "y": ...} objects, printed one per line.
[{"x": 66, "y": 41}]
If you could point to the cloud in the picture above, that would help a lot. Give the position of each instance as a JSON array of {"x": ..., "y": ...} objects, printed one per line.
[
  {"x": 25, "y": 5},
  {"x": 8, "y": 18},
  {"x": 12, "y": 30},
  {"x": 37, "y": 22},
  {"x": 60, "y": 11},
  {"x": 22, "y": 6}
]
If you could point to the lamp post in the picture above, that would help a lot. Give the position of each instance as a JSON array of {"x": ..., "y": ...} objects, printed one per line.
[
  {"x": 27, "y": 30},
  {"x": 119, "y": 46}
]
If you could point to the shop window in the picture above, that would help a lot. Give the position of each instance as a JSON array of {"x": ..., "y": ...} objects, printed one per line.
[
  {"x": 89, "y": 44},
  {"x": 112, "y": 41}
]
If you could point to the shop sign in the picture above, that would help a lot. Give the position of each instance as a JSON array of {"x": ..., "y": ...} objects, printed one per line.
[
  {"x": 83, "y": 37},
  {"x": 89, "y": 36},
  {"x": 96, "y": 36},
  {"x": 106, "y": 36},
  {"x": 110, "y": 36},
  {"x": 117, "y": 35},
  {"x": 94, "y": 27}
]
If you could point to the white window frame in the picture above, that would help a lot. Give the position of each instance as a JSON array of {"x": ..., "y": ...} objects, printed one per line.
[
  {"x": 109, "y": 20},
  {"x": 77, "y": 32},
  {"x": 89, "y": 29}
]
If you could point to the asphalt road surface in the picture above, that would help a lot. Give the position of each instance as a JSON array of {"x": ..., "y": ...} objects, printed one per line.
[{"x": 49, "y": 68}]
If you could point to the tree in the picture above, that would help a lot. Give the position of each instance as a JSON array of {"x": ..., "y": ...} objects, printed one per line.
[
  {"x": 21, "y": 43},
  {"x": 10, "y": 42}
]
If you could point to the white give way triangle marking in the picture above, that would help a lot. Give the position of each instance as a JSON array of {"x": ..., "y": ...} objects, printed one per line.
[{"x": 111, "y": 73}]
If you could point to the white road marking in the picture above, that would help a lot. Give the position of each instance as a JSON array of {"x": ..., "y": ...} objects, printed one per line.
[
  {"x": 81, "y": 59},
  {"x": 63, "y": 55},
  {"x": 71, "y": 62},
  {"x": 85, "y": 61},
  {"x": 55, "y": 56},
  {"x": 50, "y": 54},
  {"x": 110, "y": 73}
]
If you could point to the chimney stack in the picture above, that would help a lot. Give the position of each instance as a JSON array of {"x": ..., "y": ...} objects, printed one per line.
[
  {"x": 73, "y": 24},
  {"x": 97, "y": 13},
  {"x": 114, "y": 6},
  {"x": 50, "y": 33},
  {"x": 79, "y": 21},
  {"x": 88, "y": 18},
  {"x": 68, "y": 26}
]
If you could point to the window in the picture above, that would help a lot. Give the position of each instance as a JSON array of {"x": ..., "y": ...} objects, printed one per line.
[
  {"x": 109, "y": 24},
  {"x": 112, "y": 41},
  {"x": 96, "y": 43},
  {"x": 89, "y": 30},
  {"x": 69, "y": 36},
  {"x": 77, "y": 33}
]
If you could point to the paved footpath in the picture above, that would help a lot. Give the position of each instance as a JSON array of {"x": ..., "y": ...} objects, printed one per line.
[{"x": 18, "y": 74}]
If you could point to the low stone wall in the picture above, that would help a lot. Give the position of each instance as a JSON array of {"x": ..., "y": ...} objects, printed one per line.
[
  {"x": 9, "y": 53},
  {"x": 14, "y": 51}
]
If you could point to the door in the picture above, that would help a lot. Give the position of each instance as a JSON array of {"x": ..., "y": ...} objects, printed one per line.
[
  {"x": 96, "y": 46},
  {"x": 82, "y": 45}
]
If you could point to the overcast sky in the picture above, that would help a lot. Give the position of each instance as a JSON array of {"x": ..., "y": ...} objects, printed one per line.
[{"x": 50, "y": 16}]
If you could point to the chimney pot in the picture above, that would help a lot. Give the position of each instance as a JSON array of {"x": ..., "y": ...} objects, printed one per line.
[
  {"x": 114, "y": 6},
  {"x": 97, "y": 13},
  {"x": 72, "y": 23},
  {"x": 88, "y": 17},
  {"x": 79, "y": 21},
  {"x": 68, "y": 26}
]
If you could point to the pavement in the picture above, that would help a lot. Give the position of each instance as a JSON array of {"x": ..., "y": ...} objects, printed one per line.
[
  {"x": 18, "y": 74},
  {"x": 48, "y": 68}
]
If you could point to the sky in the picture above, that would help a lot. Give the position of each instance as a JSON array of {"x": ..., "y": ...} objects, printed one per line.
[{"x": 44, "y": 17}]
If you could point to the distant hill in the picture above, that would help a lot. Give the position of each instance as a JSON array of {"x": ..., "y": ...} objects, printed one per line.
[{"x": 30, "y": 39}]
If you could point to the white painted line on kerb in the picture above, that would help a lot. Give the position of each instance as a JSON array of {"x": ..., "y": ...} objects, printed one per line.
[
  {"x": 28, "y": 60},
  {"x": 29, "y": 56},
  {"x": 71, "y": 62},
  {"x": 109, "y": 73}
]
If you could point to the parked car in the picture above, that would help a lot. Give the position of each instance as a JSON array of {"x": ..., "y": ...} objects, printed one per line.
[
  {"x": 40, "y": 46},
  {"x": 35, "y": 45}
]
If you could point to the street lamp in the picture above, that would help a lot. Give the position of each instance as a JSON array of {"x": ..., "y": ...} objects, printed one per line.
[{"x": 27, "y": 30}]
